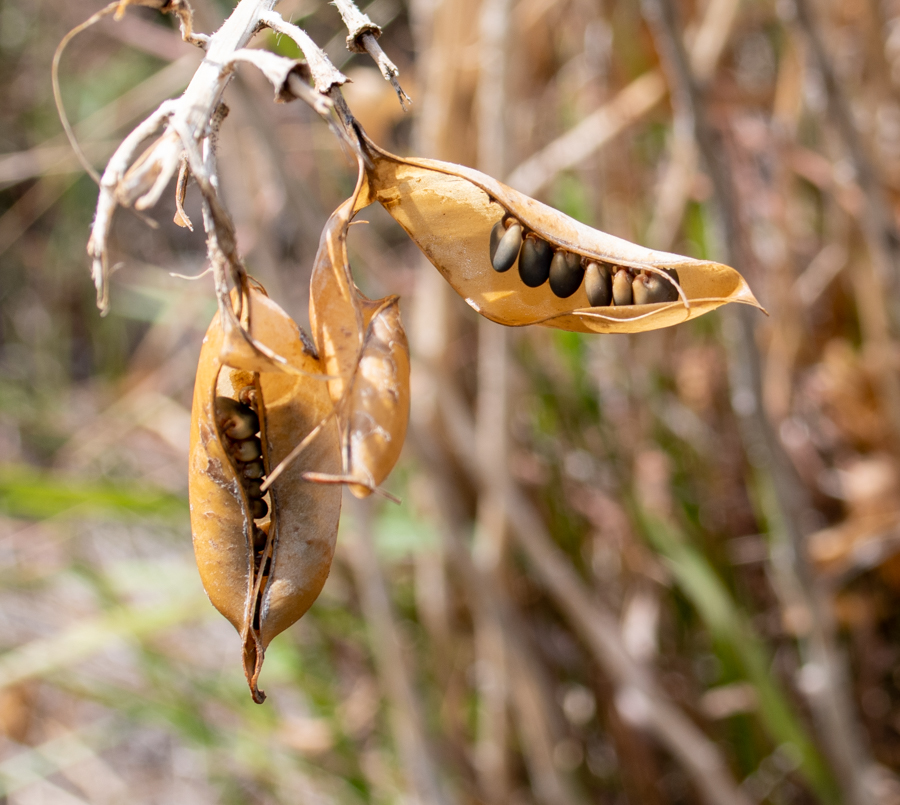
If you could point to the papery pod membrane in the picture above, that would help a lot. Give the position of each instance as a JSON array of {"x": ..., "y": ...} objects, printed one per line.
[
  {"x": 262, "y": 595},
  {"x": 449, "y": 211},
  {"x": 365, "y": 352}
]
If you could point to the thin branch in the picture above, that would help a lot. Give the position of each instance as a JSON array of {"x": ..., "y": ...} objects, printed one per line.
[
  {"x": 831, "y": 704},
  {"x": 626, "y": 108},
  {"x": 325, "y": 74},
  {"x": 363, "y": 38},
  {"x": 878, "y": 222}
]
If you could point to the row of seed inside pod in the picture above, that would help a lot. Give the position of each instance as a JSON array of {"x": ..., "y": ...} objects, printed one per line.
[
  {"x": 239, "y": 425},
  {"x": 604, "y": 284}
]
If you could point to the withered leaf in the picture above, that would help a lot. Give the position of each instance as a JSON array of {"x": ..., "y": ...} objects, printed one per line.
[
  {"x": 262, "y": 574},
  {"x": 365, "y": 352},
  {"x": 449, "y": 211}
]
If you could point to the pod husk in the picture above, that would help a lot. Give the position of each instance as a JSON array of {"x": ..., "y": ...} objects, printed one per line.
[
  {"x": 365, "y": 352},
  {"x": 449, "y": 211},
  {"x": 263, "y": 599}
]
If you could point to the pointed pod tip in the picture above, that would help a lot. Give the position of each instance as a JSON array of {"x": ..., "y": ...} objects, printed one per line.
[{"x": 745, "y": 296}]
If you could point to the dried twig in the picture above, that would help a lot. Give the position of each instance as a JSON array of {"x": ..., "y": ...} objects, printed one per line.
[
  {"x": 363, "y": 38},
  {"x": 639, "y": 698},
  {"x": 876, "y": 220},
  {"x": 189, "y": 121},
  {"x": 625, "y": 109}
]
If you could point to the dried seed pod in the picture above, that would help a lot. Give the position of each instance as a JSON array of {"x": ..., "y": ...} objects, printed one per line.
[
  {"x": 365, "y": 352},
  {"x": 598, "y": 284},
  {"x": 566, "y": 273},
  {"x": 507, "y": 249},
  {"x": 262, "y": 577},
  {"x": 651, "y": 288},
  {"x": 622, "y": 291},
  {"x": 534, "y": 262},
  {"x": 449, "y": 211}
]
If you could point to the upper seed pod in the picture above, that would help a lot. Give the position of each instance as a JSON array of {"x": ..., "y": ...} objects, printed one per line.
[
  {"x": 262, "y": 577},
  {"x": 566, "y": 273},
  {"x": 449, "y": 211}
]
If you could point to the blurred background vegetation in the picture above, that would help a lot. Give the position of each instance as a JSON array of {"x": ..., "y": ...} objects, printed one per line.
[{"x": 625, "y": 569}]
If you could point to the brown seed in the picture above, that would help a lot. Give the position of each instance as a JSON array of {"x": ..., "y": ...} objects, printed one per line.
[
  {"x": 258, "y": 508},
  {"x": 246, "y": 450},
  {"x": 649, "y": 288},
  {"x": 497, "y": 234},
  {"x": 253, "y": 470},
  {"x": 534, "y": 262},
  {"x": 253, "y": 488},
  {"x": 621, "y": 287},
  {"x": 566, "y": 273},
  {"x": 259, "y": 538},
  {"x": 236, "y": 419},
  {"x": 508, "y": 249},
  {"x": 598, "y": 284}
]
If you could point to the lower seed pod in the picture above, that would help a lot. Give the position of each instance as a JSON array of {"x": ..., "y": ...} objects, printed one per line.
[
  {"x": 621, "y": 287},
  {"x": 650, "y": 287},
  {"x": 534, "y": 262},
  {"x": 598, "y": 284},
  {"x": 262, "y": 564},
  {"x": 566, "y": 273},
  {"x": 508, "y": 248}
]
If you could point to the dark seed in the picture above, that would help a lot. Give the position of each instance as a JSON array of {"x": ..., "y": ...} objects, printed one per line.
[
  {"x": 236, "y": 419},
  {"x": 253, "y": 488},
  {"x": 253, "y": 470},
  {"x": 598, "y": 284},
  {"x": 621, "y": 287},
  {"x": 566, "y": 273},
  {"x": 259, "y": 537},
  {"x": 649, "y": 288},
  {"x": 497, "y": 234},
  {"x": 534, "y": 264},
  {"x": 246, "y": 450},
  {"x": 258, "y": 508},
  {"x": 507, "y": 249}
]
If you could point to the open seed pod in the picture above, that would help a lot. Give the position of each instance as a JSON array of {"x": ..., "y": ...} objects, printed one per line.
[
  {"x": 475, "y": 229},
  {"x": 364, "y": 349},
  {"x": 263, "y": 558}
]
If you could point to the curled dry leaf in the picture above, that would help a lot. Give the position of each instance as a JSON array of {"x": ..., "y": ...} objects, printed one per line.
[
  {"x": 474, "y": 229},
  {"x": 365, "y": 351},
  {"x": 263, "y": 557}
]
